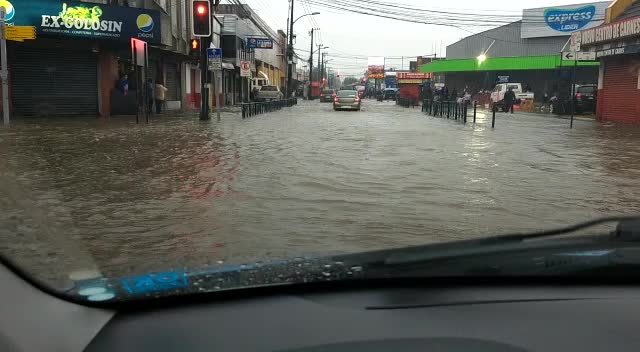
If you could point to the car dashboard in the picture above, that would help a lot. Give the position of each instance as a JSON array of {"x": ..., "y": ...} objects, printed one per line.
[{"x": 359, "y": 316}]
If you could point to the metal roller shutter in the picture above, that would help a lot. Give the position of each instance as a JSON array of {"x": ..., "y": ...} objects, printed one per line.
[
  {"x": 43, "y": 84},
  {"x": 620, "y": 84},
  {"x": 173, "y": 82}
]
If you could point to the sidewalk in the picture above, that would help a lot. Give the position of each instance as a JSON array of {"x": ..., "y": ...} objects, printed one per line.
[{"x": 525, "y": 114}]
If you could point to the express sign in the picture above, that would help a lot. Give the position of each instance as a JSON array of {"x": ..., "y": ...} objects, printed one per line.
[
  {"x": 561, "y": 20},
  {"x": 87, "y": 20}
]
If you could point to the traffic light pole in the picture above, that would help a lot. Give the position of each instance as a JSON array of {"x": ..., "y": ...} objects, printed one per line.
[{"x": 204, "y": 73}]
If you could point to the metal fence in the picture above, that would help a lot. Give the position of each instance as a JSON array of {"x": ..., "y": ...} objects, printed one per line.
[
  {"x": 449, "y": 109},
  {"x": 257, "y": 108}
]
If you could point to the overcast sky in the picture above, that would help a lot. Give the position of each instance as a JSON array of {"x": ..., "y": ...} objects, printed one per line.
[{"x": 348, "y": 34}]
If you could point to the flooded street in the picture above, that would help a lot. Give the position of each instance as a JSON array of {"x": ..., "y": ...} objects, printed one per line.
[{"x": 125, "y": 199}]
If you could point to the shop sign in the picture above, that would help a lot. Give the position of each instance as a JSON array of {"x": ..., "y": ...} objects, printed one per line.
[
  {"x": 412, "y": 75},
  {"x": 561, "y": 20},
  {"x": 245, "y": 68},
  {"x": 410, "y": 81},
  {"x": 502, "y": 79},
  {"x": 74, "y": 19},
  {"x": 610, "y": 32},
  {"x": 375, "y": 67},
  {"x": 260, "y": 43},
  {"x": 632, "y": 49}
]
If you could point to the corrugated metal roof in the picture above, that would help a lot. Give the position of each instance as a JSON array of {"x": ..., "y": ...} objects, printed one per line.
[{"x": 508, "y": 44}]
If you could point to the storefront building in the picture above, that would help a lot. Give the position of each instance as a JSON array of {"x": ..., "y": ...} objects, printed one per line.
[
  {"x": 410, "y": 84},
  {"x": 525, "y": 51},
  {"x": 72, "y": 65},
  {"x": 617, "y": 47}
]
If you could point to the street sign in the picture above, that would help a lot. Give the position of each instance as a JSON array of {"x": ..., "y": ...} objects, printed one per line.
[
  {"x": 20, "y": 33},
  {"x": 579, "y": 55},
  {"x": 214, "y": 59},
  {"x": 569, "y": 55},
  {"x": 245, "y": 69},
  {"x": 586, "y": 56}
]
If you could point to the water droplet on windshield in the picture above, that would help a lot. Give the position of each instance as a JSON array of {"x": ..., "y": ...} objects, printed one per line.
[
  {"x": 216, "y": 287},
  {"x": 356, "y": 268},
  {"x": 327, "y": 266},
  {"x": 220, "y": 262},
  {"x": 326, "y": 274},
  {"x": 243, "y": 266},
  {"x": 339, "y": 263},
  {"x": 349, "y": 273}
]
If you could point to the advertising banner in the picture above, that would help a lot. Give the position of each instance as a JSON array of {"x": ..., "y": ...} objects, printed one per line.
[
  {"x": 609, "y": 32},
  {"x": 260, "y": 43},
  {"x": 74, "y": 19},
  {"x": 375, "y": 68},
  {"x": 561, "y": 20},
  {"x": 412, "y": 75}
]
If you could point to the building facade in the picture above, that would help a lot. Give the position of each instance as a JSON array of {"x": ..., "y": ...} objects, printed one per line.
[
  {"x": 617, "y": 46},
  {"x": 241, "y": 28},
  {"x": 525, "y": 51},
  {"x": 82, "y": 49}
]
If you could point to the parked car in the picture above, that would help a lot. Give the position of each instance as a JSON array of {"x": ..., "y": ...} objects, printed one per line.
[
  {"x": 266, "y": 93},
  {"x": 346, "y": 99},
  {"x": 390, "y": 93},
  {"x": 497, "y": 95},
  {"x": 585, "y": 98},
  {"x": 327, "y": 95}
]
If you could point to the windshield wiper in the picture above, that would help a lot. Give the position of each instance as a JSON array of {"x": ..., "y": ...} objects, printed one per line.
[{"x": 628, "y": 228}]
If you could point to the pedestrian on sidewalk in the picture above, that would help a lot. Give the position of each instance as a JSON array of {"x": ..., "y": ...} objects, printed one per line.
[
  {"x": 509, "y": 100},
  {"x": 148, "y": 92},
  {"x": 123, "y": 84},
  {"x": 160, "y": 93}
]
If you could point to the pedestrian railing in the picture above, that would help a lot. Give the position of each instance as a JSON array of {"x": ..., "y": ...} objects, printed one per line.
[
  {"x": 449, "y": 109},
  {"x": 406, "y": 102},
  {"x": 257, "y": 108}
]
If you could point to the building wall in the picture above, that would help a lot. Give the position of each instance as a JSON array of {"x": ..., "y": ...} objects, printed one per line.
[{"x": 507, "y": 44}]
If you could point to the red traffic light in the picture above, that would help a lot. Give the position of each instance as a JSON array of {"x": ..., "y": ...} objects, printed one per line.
[{"x": 201, "y": 18}]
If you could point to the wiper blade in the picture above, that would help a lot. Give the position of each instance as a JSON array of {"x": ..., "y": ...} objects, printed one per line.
[{"x": 628, "y": 226}]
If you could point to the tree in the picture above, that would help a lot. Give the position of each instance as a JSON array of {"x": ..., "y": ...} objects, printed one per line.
[{"x": 349, "y": 81}]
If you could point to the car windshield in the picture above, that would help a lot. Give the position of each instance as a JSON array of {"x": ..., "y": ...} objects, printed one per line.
[
  {"x": 142, "y": 156},
  {"x": 347, "y": 93}
]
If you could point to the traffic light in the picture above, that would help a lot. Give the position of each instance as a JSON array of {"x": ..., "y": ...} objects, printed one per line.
[
  {"x": 194, "y": 47},
  {"x": 201, "y": 18}
]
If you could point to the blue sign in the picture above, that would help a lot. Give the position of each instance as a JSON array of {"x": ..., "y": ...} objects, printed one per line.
[
  {"x": 155, "y": 282},
  {"x": 214, "y": 53},
  {"x": 57, "y": 18},
  {"x": 564, "y": 20},
  {"x": 260, "y": 43}
]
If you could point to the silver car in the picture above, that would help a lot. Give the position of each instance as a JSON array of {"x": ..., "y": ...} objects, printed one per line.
[{"x": 346, "y": 99}]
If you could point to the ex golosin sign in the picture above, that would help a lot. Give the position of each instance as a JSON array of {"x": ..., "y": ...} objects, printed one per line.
[
  {"x": 561, "y": 20},
  {"x": 84, "y": 20}
]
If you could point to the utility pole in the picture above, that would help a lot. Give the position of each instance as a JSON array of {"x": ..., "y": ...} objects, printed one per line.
[
  {"x": 290, "y": 54},
  {"x": 4, "y": 73},
  {"x": 309, "y": 97},
  {"x": 319, "y": 67}
]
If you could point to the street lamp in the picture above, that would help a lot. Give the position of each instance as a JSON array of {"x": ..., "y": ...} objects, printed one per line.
[
  {"x": 290, "y": 49},
  {"x": 308, "y": 14},
  {"x": 482, "y": 57}
]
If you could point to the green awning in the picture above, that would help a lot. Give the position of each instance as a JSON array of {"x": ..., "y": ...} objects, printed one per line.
[{"x": 500, "y": 63}]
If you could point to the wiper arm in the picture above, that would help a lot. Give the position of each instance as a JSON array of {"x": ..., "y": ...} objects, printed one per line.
[{"x": 628, "y": 226}]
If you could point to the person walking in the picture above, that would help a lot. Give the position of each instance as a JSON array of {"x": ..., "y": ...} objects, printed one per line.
[
  {"x": 160, "y": 92},
  {"x": 123, "y": 84},
  {"x": 454, "y": 95},
  {"x": 148, "y": 92},
  {"x": 509, "y": 100}
]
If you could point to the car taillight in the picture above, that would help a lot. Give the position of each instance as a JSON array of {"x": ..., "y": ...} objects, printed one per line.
[
  {"x": 335, "y": 99},
  {"x": 578, "y": 96},
  {"x": 321, "y": 95},
  {"x": 333, "y": 95}
]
